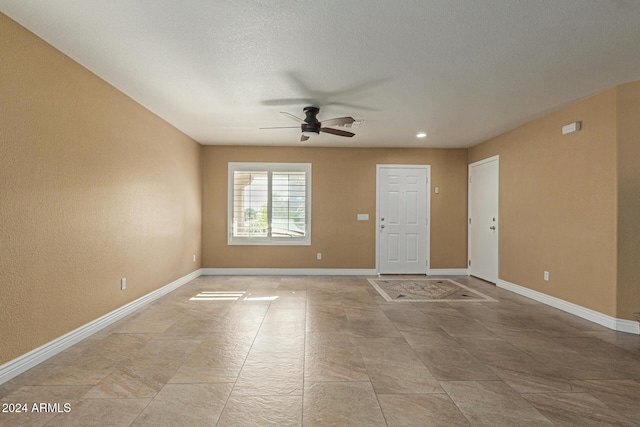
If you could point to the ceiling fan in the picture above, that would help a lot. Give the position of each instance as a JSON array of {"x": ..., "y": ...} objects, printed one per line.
[{"x": 311, "y": 126}]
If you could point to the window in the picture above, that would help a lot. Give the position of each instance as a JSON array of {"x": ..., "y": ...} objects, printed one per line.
[{"x": 269, "y": 204}]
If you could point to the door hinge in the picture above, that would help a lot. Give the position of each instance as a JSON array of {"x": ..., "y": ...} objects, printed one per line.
[
  {"x": 469, "y": 263},
  {"x": 426, "y": 262},
  {"x": 469, "y": 221},
  {"x": 469, "y": 178}
]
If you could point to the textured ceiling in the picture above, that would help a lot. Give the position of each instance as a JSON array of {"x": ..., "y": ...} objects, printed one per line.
[{"x": 461, "y": 70}]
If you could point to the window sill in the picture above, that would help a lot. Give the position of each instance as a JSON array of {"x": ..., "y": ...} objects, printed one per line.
[{"x": 239, "y": 241}]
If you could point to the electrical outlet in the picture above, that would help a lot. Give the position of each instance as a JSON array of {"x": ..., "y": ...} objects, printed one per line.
[
  {"x": 123, "y": 283},
  {"x": 546, "y": 276},
  {"x": 319, "y": 256}
]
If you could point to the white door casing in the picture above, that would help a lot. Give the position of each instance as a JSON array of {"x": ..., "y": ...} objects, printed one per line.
[
  {"x": 483, "y": 218},
  {"x": 402, "y": 241}
]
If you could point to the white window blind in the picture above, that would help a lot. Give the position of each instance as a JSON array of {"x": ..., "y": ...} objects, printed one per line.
[
  {"x": 269, "y": 203},
  {"x": 288, "y": 201},
  {"x": 250, "y": 203}
]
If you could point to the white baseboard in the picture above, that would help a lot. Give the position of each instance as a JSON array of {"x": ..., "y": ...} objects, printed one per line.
[
  {"x": 447, "y": 272},
  {"x": 628, "y": 326},
  {"x": 317, "y": 272},
  {"x": 621, "y": 325},
  {"x": 44, "y": 352},
  {"x": 288, "y": 272}
]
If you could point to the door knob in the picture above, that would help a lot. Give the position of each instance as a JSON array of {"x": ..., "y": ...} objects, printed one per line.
[
  {"x": 492, "y": 227},
  {"x": 382, "y": 226}
]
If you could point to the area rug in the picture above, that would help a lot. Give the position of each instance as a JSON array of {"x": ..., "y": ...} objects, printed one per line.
[{"x": 426, "y": 290}]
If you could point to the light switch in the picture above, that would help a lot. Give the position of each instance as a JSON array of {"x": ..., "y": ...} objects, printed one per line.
[
  {"x": 363, "y": 217},
  {"x": 437, "y": 190}
]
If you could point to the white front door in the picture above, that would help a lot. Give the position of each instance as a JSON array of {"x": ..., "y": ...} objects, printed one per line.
[
  {"x": 484, "y": 184},
  {"x": 403, "y": 214}
]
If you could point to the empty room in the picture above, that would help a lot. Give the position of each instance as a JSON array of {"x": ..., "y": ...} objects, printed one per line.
[{"x": 319, "y": 213}]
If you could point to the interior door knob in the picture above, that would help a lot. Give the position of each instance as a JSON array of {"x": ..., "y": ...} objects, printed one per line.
[
  {"x": 382, "y": 226},
  {"x": 493, "y": 227}
]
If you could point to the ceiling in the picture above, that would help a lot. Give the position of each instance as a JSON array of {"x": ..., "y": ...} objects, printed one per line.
[{"x": 461, "y": 70}]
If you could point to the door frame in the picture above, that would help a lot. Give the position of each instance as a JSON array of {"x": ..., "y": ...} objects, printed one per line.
[
  {"x": 379, "y": 167},
  {"x": 495, "y": 158}
]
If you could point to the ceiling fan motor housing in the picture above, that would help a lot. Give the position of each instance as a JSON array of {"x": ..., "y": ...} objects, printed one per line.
[{"x": 311, "y": 123}]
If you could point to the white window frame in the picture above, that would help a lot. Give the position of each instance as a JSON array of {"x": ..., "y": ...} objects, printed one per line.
[{"x": 269, "y": 168}]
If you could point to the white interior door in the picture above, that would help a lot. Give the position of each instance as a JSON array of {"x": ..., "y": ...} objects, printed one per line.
[
  {"x": 484, "y": 184},
  {"x": 403, "y": 214}
]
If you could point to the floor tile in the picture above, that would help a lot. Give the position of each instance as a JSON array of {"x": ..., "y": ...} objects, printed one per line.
[
  {"x": 461, "y": 327},
  {"x": 493, "y": 403},
  {"x": 629, "y": 342},
  {"x": 410, "y": 410},
  {"x": 326, "y": 318},
  {"x": 185, "y": 404},
  {"x": 454, "y": 364},
  {"x": 372, "y": 327},
  {"x": 394, "y": 368},
  {"x": 333, "y": 356},
  {"x": 621, "y": 395},
  {"x": 571, "y": 409},
  {"x": 262, "y": 411},
  {"x": 147, "y": 373},
  {"x": 515, "y": 367},
  {"x": 271, "y": 376},
  {"x": 430, "y": 338},
  {"x": 217, "y": 359},
  {"x": 409, "y": 320},
  {"x": 341, "y": 404}
]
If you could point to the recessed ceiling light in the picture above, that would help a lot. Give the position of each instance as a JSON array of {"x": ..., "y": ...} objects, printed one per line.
[{"x": 421, "y": 135}]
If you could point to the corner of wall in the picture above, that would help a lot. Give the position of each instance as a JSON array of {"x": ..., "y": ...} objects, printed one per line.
[{"x": 628, "y": 199}]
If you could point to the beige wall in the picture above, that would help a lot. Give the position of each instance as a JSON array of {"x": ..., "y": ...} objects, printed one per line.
[
  {"x": 93, "y": 188},
  {"x": 558, "y": 203},
  {"x": 628, "y": 199},
  {"x": 344, "y": 184}
]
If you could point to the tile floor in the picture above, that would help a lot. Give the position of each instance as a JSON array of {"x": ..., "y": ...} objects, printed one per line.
[{"x": 330, "y": 351}]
